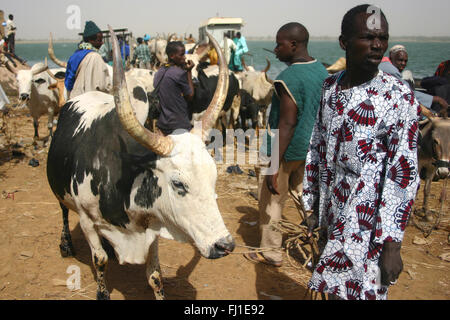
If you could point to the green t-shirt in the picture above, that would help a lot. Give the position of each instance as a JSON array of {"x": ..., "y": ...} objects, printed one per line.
[{"x": 303, "y": 82}]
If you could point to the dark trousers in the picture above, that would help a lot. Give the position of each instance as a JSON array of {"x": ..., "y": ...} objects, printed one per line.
[{"x": 11, "y": 43}]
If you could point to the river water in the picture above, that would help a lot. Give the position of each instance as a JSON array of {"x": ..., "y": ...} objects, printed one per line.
[{"x": 424, "y": 57}]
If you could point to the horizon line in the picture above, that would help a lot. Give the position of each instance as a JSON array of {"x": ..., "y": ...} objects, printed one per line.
[{"x": 250, "y": 37}]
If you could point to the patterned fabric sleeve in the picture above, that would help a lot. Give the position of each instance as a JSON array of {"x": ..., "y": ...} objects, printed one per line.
[
  {"x": 311, "y": 179},
  {"x": 401, "y": 176}
]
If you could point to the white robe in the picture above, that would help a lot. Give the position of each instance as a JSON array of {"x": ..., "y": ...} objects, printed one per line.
[{"x": 92, "y": 75}]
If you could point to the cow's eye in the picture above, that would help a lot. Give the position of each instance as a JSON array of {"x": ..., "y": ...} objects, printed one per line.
[{"x": 179, "y": 187}]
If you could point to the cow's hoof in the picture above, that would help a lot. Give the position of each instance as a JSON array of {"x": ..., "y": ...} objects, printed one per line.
[
  {"x": 103, "y": 295},
  {"x": 66, "y": 251},
  {"x": 159, "y": 295}
]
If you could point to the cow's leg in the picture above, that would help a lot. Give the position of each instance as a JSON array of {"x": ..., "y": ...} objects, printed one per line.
[
  {"x": 235, "y": 108},
  {"x": 51, "y": 112},
  {"x": 99, "y": 256},
  {"x": 153, "y": 271},
  {"x": 426, "y": 193},
  {"x": 36, "y": 129},
  {"x": 66, "y": 247}
]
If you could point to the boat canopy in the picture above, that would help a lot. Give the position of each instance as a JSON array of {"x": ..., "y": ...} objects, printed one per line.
[{"x": 217, "y": 26}]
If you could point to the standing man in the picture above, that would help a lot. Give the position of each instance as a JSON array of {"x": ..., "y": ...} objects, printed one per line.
[
  {"x": 175, "y": 90},
  {"x": 230, "y": 46},
  {"x": 294, "y": 108},
  {"x": 241, "y": 49},
  {"x": 142, "y": 54},
  {"x": 11, "y": 34},
  {"x": 190, "y": 39},
  {"x": 86, "y": 70},
  {"x": 361, "y": 173}
]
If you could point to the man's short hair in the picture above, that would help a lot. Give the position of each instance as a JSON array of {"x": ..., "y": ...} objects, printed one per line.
[
  {"x": 11, "y": 16},
  {"x": 348, "y": 22},
  {"x": 173, "y": 46},
  {"x": 296, "y": 31},
  {"x": 139, "y": 40}
]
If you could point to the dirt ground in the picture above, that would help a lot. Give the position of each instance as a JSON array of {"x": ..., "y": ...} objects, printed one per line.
[{"x": 31, "y": 266}]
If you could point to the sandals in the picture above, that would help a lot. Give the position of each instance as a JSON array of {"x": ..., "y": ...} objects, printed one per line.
[{"x": 257, "y": 257}]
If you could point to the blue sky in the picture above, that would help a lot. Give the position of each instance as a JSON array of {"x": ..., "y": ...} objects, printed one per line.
[{"x": 35, "y": 19}]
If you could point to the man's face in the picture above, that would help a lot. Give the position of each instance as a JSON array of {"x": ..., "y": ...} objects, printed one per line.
[
  {"x": 399, "y": 60},
  {"x": 179, "y": 57},
  {"x": 284, "y": 49},
  {"x": 365, "y": 47},
  {"x": 97, "y": 43}
]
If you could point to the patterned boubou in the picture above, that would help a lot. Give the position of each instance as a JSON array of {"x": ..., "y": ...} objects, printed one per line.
[{"x": 361, "y": 168}]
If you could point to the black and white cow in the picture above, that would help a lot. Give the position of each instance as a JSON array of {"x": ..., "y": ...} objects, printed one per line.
[
  {"x": 248, "y": 111},
  {"x": 132, "y": 186},
  {"x": 204, "y": 91}
]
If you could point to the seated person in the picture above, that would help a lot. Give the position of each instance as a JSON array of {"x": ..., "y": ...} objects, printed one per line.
[{"x": 395, "y": 65}]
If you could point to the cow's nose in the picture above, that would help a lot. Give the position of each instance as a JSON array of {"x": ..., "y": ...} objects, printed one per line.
[
  {"x": 222, "y": 247},
  {"x": 24, "y": 96}
]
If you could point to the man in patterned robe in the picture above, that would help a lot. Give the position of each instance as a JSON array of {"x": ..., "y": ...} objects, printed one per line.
[{"x": 361, "y": 169}]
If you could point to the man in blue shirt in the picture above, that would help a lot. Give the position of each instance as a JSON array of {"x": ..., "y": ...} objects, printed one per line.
[{"x": 236, "y": 57}]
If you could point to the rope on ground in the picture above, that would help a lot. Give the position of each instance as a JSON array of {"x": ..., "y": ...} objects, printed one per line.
[
  {"x": 298, "y": 239},
  {"x": 253, "y": 249},
  {"x": 428, "y": 230}
]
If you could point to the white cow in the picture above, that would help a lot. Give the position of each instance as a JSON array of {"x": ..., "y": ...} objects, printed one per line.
[{"x": 35, "y": 93}]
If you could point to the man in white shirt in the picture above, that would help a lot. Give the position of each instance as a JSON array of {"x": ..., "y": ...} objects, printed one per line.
[
  {"x": 11, "y": 33},
  {"x": 231, "y": 46}
]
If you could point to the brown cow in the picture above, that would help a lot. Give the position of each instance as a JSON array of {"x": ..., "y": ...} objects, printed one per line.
[{"x": 60, "y": 87}]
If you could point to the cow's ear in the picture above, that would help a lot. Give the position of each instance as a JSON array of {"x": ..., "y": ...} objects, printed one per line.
[
  {"x": 60, "y": 75},
  {"x": 39, "y": 81}
]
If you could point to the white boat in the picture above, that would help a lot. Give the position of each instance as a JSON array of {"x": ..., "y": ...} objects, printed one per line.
[{"x": 217, "y": 26}]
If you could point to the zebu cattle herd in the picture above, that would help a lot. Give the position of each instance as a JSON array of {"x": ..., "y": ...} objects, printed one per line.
[{"x": 130, "y": 185}]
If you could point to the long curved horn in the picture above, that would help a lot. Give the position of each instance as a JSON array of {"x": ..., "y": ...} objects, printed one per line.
[
  {"x": 212, "y": 113},
  {"x": 51, "y": 53},
  {"x": 159, "y": 144},
  {"x": 267, "y": 67},
  {"x": 41, "y": 69}
]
